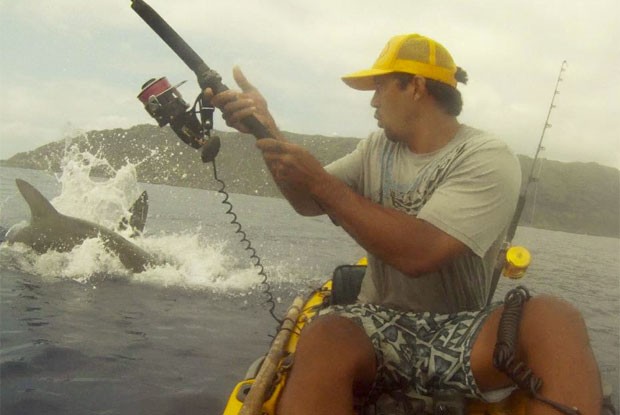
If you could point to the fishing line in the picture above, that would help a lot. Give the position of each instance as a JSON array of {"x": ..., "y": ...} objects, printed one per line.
[
  {"x": 248, "y": 245},
  {"x": 209, "y": 150},
  {"x": 164, "y": 103}
]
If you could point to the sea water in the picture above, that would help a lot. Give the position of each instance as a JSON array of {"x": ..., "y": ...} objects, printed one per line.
[{"x": 79, "y": 334}]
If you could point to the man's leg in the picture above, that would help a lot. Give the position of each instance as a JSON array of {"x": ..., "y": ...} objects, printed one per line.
[
  {"x": 334, "y": 357},
  {"x": 553, "y": 342}
]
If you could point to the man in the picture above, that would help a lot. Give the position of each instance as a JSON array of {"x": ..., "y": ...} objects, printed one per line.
[{"x": 430, "y": 200}]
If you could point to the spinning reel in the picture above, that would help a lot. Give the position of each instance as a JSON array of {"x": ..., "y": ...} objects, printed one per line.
[{"x": 165, "y": 103}]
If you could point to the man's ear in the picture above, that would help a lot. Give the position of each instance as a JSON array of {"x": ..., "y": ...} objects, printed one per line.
[{"x": 420, "y": 87}]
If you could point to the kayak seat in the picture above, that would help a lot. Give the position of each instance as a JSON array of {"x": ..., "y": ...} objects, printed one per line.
[{"x": 346, "y": 284}]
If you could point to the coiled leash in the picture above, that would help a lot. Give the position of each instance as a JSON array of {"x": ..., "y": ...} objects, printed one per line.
[{"x": 505, "y": 357}]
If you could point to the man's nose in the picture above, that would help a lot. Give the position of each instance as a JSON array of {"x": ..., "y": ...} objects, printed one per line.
[{"x": 374, "y": 101}]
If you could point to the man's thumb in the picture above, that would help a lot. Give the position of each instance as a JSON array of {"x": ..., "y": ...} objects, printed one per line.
[{"x": 241, "y": 80}]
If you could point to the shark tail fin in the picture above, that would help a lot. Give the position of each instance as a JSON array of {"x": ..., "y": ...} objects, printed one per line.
[
  {"x": 39, "y": 205},
  {"x": 138, "y": 213}
]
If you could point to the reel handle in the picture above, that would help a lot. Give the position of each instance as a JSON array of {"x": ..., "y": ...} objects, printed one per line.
[{"x": 207, "y": 77}]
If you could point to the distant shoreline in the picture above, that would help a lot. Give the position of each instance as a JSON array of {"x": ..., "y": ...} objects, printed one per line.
[{"x": 574, "y": 197}]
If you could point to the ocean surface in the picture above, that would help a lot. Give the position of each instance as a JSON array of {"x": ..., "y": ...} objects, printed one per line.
[{"x": 81, "y": 335}]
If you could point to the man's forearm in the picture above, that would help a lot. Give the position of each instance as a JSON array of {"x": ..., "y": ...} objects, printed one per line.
[
  {"x": 411, "y": 245},
  {"x": 302, "y": 202}
]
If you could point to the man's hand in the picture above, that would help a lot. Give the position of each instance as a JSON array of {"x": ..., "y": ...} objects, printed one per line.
[
  {"x": 292, "y": 166},
  {"x": 237, "y": 105},
  {"x": 294, "y": 170}
]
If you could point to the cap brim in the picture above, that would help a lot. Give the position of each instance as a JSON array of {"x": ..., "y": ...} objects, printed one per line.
[{"x": 364, "y": 80}]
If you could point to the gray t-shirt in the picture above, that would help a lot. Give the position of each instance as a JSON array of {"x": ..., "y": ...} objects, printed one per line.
[{"x": 468, "y": 189}]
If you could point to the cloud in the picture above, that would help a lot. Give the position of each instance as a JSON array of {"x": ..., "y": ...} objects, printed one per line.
[
  {"x": 84, "y": 62},
  {"x": 56, "y": 104}
]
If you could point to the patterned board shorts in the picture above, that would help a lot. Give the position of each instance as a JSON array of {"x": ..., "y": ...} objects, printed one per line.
[{"x": 418, "y": 353}]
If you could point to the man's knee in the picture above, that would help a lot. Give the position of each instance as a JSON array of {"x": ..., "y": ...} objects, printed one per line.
[
  {"x": 338, "y": 345},
  {"x": 548, "y": 325},
  {"x": 553, "y": 320}
]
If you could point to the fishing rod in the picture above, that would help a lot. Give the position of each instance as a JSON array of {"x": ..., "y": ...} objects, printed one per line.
[
  {"x": 539, "y": 148},
  {"x": 164, "y": 103},
  {"x": 505, "y": 356},
  {"x": 207, "y": 77},
  {"x": 512, "y": 228}
]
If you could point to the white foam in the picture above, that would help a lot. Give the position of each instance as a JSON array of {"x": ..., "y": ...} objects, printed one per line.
[
  {"x": 102, "y": 201},
  {"x": 193, "y": 262},
  {"x": 189, "y": 260}
]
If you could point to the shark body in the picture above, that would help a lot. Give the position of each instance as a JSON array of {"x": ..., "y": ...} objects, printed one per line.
[{"x": 51, "y": 230}]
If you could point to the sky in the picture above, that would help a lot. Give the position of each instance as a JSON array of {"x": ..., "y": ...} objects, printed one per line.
[{"x": 69, "y": 66}]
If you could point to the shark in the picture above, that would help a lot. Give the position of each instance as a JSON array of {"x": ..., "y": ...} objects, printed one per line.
[{"x": 51, "y": 230}]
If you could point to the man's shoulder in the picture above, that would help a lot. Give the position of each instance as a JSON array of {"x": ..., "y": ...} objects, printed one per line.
[
  {"x": 480, "y": 137},
  {"x": 474, "y": 140},
  {"x": 486, "y": 153}
]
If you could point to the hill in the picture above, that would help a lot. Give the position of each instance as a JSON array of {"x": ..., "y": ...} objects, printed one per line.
[{"x": 569, "y": 197}]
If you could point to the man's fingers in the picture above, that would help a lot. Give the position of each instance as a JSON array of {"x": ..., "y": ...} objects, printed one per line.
[
  {"x": 223, "y": 98},
  {"x": 241, "y": 80},
  {"x": 240, "y": 104},
  {"x": 238, "y": 116}
]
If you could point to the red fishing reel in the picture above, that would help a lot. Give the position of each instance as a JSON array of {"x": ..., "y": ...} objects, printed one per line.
[{"x": 165, "y": 103}]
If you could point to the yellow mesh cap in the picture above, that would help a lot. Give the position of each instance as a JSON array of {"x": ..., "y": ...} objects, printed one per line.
[{"x": 411, "y": 53}]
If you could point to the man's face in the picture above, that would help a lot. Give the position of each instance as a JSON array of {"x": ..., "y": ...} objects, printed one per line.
[{"x": 393, "y": 103}]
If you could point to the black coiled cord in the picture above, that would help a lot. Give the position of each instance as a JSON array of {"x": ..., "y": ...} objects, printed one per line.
[
  {"x": 209, "y": 151},
  {"x": 270, "y": 302},
  {"x": 505, "y": 356}
]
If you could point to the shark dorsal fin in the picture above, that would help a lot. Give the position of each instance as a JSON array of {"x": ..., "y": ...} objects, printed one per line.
[
  {"x": 39, "y": 205},
  {"x": 139, "y": 211}
]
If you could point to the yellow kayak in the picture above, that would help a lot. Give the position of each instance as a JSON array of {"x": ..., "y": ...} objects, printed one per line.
[
  {"x": 247, "y": 399},
  {"x": 259, "y": 391}
]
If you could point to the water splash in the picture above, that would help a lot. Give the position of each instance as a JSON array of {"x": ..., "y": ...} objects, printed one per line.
[
  {"x": 104, "y": 201},
  {"x": 190, "y": 261}
]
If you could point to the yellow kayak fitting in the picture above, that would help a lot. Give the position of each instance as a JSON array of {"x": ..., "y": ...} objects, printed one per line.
[{"x": 518, "y": 258}]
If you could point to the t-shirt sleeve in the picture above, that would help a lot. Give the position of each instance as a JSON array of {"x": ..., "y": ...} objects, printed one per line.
[
  {"x": 476, "y": 201},
  {"x": 349, "y": 168}
]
